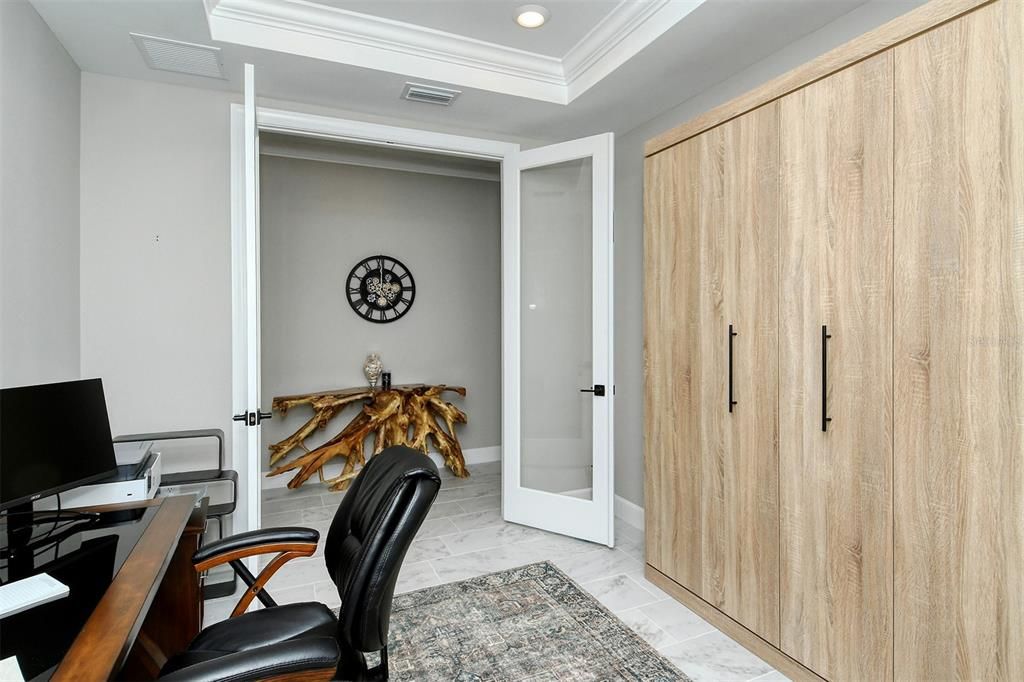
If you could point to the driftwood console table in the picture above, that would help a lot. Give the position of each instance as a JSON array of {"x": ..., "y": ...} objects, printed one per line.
[{"x": 410, "y": 414}]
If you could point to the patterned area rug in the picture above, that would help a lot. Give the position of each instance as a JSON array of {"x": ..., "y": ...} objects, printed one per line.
[{"x": 526, "y": 623}]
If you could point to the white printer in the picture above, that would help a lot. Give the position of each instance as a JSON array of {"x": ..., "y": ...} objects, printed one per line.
[{"x": 137, "y": 478}]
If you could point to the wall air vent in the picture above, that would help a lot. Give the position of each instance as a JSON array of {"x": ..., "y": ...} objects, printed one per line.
[
  {"x": 430, "y": 94},
  {"x": 165, "y": 54}
]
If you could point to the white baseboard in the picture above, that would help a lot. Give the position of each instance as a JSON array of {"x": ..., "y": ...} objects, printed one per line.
[
  {"x": 472, "y": 456},
  {"x": 630, "y": 513}
]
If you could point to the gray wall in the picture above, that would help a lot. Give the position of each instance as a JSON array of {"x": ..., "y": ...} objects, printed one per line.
[
  {"x": 39, "y": 155},
  {"x": 156, "y": 315},
  {"x": 156, "y": 259},
  {"x": 629, "y": 173},
  {"x": 318, "y": 220}
]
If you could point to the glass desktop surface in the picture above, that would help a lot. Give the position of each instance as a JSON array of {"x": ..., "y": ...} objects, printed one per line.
[{"x": 85, "y": 555}]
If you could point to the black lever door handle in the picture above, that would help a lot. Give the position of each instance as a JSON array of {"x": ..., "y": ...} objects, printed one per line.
[
  {"x": 732, "y": 334},
  {"x": 825, "y": 336},
  {"x": 597, "y": 390},
  {"x": 252, "y": 418}
]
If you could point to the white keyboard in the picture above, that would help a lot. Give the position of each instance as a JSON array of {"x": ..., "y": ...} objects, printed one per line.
[{"x": 23, "y": 594}]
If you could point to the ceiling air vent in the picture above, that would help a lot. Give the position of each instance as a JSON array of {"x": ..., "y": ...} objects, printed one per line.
[
  {"x": 165, "y": 54},
  {"x": 431, "y": 94}
]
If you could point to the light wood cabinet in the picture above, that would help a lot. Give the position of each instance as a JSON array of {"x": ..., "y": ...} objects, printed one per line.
[
  {"x": 959, "y": 349},
  {"x": 858, "y": 516},
  {"x": 714, "y": 229},
  {"x": 672, "y": 365},
  {"x": 739, "y": 198},
  {"x": 836, "y": 476}
]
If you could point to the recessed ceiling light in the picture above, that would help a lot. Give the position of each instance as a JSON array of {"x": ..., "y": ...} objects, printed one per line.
[{"x": 532, "y": 16}]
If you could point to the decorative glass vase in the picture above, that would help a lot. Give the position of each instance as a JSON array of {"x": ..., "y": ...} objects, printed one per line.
[{"x": 372, "y": 369}]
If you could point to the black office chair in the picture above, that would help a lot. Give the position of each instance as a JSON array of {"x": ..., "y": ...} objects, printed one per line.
[{"x": 371, "y": 532}]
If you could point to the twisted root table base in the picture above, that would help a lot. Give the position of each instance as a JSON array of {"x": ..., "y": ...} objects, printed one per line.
[{"x": 410, "y": 415}]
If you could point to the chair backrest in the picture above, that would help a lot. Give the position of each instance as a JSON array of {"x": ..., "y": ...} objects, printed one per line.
[{"x": 375, "y": 523}]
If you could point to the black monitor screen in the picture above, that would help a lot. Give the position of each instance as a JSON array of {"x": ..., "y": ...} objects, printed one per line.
[{"x": 53, "y": 437}]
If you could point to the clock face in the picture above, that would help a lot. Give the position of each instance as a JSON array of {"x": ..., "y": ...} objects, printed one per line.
[{"x": 380, "y": 289}]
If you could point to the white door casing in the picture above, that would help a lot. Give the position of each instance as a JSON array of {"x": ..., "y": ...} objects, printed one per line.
[
  {"x": 245, "y": 262},
  {"x": 588, "y": 519},
  {"x": 247, "y": 120}
]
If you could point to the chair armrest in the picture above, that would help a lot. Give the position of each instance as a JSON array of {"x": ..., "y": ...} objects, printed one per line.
[
  {"x": 277, "y": 661},
  {"x": 254, "y": 542}
]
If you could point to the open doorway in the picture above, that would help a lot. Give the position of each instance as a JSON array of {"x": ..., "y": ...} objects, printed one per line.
[
  {"x": 530, "y": 198},
  {"x": 326, "y": 208}
]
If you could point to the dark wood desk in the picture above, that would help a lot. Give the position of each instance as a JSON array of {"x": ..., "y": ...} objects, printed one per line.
[{"x": 154, "y": 606}]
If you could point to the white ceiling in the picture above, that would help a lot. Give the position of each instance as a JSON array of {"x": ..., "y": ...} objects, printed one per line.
[
  {"x": 714, "y": 41},
  {"x": 605, "y": 38},
  {"x": 493, "y": 20}
]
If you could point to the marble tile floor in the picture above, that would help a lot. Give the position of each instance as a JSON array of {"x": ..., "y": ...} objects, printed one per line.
[{"x": 465, "y": 536}]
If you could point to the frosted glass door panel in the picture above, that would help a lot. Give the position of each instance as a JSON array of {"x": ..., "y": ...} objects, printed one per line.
[{"x": 557, "y": 328}]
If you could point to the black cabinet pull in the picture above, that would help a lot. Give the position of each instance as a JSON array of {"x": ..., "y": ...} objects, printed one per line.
[
  {"x": 825, "y": 336},
  {"x": 732, "y": 334}
]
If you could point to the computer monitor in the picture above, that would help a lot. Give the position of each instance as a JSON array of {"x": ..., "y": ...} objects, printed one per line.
[{"x": 53, "y": 437}]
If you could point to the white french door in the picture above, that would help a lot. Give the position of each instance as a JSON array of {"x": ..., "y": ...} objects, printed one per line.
[
  {"x": 558, "y": 385},
  {"x": 245, "y": 244}
]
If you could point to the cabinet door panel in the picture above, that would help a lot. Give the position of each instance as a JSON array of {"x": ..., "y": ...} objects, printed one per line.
[
  {"x": 959, "y": 349},
  {"x": 739, "y": 193},
  {"x": 711, "y": 255},
  {"x": 672, "y": 368},
  {"x": 836, "y": 262}
]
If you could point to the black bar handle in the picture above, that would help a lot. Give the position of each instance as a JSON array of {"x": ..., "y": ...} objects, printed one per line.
[
  {"x": 732, "y": 333},
  {"x": 825, "y": 336}
]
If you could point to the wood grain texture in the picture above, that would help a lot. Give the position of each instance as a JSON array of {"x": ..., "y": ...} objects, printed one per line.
[
  {"x": 959, "y": 349},
  {"x": 736, "y": 631},
  {"x": 103, "y": 644},
  {"x": 672, "y": 364},
  {"x": 739, "y": 202},
  {"x": 871, "y": 43},
  {"x": 264, "y": 576},
  {"x": 411, "y": 414},
  {"x": 175, "y": 616},
  {"x": 712, "y": 476},
  {"x": 836, "y": 263}
]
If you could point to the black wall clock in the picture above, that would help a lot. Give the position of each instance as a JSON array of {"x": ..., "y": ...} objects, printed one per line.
[{"x": 380, "y": 289}]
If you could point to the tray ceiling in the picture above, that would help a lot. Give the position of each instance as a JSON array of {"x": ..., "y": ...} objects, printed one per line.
[
  {"x": 582, "y": 56},
  {"x": 713, "y": 42}
]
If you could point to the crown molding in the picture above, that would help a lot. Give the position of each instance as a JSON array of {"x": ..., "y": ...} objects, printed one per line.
[
  {"x": 629, "y": 28},
  {"x": 312, "y": 30}
]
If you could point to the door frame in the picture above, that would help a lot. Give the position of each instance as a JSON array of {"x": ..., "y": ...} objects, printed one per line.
[{"x": 329, "y": 128}]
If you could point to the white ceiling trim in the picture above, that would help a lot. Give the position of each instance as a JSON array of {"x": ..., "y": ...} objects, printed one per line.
[
  {"x": 619, "y": 37},
  {"x": 322, "y": 32}
]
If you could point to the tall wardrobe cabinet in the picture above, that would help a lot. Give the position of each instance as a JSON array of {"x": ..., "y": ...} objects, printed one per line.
[
  {"x": 834, "y": 356},
  {"x": 713, "y": 206},
  {"x": 835, "y": 393}
]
